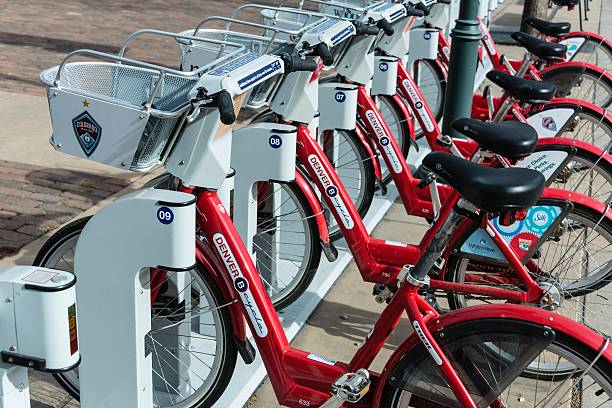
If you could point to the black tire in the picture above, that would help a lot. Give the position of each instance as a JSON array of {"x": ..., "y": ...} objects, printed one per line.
[
  {"x": 588, "y": 117},
  {"x": 566, "y": 78},
  {"x": 361, "y": 155},
  {"x": 495, "y": 329},
  {"x": 314, "y": 257},
  {"x": 602, "y": 51},
  {"x": 600, "y": 175},
  {"x": 403, "y": 136},
  {"x": 367, "y": 194},
  {"x": 570, "y": 290},
  {"x": 228, "y": 361}
]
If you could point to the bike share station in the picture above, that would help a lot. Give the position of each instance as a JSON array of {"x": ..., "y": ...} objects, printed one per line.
[{"x": 113, "y": 297}]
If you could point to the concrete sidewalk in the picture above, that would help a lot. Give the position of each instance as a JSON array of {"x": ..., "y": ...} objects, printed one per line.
[{"x": 45, "y": 189}]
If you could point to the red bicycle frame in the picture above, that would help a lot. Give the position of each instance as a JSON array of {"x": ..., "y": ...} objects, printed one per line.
[{"x": 302, "y": 379}]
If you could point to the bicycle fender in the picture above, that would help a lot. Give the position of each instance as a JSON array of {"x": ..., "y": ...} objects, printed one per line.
[
  {"x": 578, "y": 199},
  {"x": 557, "y": 103},
  {"x": 578, "y": 144},
  {"x": 368, "y": 145},
  {"x": 584, "y": 65},
  {"x": 528, "y": 314},
  {"x": 315, "y": 205},
  {"x": 206, "y": 257}
]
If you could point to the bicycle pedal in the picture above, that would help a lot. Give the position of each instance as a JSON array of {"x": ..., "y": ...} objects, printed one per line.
[{"x": 351, "y": 387}]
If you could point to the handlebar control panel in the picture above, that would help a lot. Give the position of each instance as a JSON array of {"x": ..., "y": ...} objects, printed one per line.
[
  {"x": 241, "y": 74},
  {"x": 329, "y": 32}
]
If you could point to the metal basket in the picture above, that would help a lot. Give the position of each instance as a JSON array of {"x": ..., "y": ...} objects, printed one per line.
[
  {"x": 125, "y": 92},
  {"x": 195, "y": 53}
]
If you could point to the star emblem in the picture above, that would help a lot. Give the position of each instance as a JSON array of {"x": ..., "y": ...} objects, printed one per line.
[{"x": 85, "y": 103}]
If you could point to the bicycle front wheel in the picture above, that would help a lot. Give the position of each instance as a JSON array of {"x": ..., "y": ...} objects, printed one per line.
[
  {"x": 491, "y": 356},
  {"x": 191, "y": 337}
]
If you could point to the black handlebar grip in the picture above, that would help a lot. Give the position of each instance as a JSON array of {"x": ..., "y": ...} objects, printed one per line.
[
  {"x": 323, "y": 51},
  {"x": 226, "y": 108},
  {"x": 444, "y": 1},
  {"x": 299, "y": 64},
  {"x": 418, "y": 10},
  {"x": 386, "y": 27},
  {"x": 366, "y": 29}
]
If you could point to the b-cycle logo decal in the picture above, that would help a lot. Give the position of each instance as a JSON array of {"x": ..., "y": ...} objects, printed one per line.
[
  {"x": 87, "y": 132},
  {"x": 383, "y": 138},
  {"x": 241, "y": 285},
  {"x": 331, "y": 191},
  {"x": 446, "y": 52},
  {"x": 413, "y": 94},
  {"x": 275, "y": 141},
  {"x": 520, "y": 235},
  {"x": 165, "y": 215},
  {"x": 549, "y": 123},
  {"x": 426, "y": 343}
]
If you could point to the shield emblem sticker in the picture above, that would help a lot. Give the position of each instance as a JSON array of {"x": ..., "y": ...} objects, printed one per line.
[{"x": 87, "y": 131}]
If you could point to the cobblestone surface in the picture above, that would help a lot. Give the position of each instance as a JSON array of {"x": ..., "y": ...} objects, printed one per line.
[
  {"x": 35, "y": 35},
  {"x": 35, "y": 200}
]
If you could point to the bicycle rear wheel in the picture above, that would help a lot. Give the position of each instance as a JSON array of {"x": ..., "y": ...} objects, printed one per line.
[
  {"x": 593, "y": 51},
  {"x": 581, "y": 83},
  {"x": 575, "y": 264},
  {"x": 491, "y": 357},
  {"x": 191, "y": 338}
]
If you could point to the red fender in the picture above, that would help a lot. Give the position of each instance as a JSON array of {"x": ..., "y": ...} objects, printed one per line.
[
  {"x": 370, "y": 148},
  {"x": 578, "y": 199},
  {"x": 207, "y": 258},
  {"x": 406, "y": 114},
  {"x": 315, "y": 205},
  {"x": 586, "y": 65},
  {"x": 554, "y": 103},
  {"x": 578, "y": 144},
  {"x": 556, "y": 322},
  {"x": 595, "y": 36}
]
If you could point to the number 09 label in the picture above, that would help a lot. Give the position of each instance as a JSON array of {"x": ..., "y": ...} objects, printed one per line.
[{"x": 165, "y": 215}]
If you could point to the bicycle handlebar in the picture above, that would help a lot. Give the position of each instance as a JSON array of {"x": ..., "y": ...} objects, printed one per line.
[
  {"x": 365, "y": 29},
  {"x": 294, "y": 64},
  {"x": 386, "y": 27},
  {"x": 323, "y": 51},
  {"x": 226, "y": 107}
]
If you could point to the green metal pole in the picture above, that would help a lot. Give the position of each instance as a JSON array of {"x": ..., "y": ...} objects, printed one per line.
[{"x": 462, "y": 65}]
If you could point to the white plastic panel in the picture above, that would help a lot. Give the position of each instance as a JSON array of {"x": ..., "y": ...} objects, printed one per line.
[
  {"x": 423, "y": 43},
  {"x": 337, "y": 105},
  {"x": 384, "y": 81}
]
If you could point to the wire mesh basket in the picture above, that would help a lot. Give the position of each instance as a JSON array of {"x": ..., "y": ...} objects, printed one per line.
[
  {"x": 195, "y": 54},
  {"x": 123, "y": 112}
]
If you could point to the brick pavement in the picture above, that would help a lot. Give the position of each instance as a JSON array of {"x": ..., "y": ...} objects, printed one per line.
[
  {"x": 35, "y": 200},
  {"x": 35, "y": 35}
]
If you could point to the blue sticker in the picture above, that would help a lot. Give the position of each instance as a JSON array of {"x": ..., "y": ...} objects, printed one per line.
[
  {"x": 540, "y": 218},
  {"x": 275, "y": 141},
  {"x": 165, "y": 215},
  {"x": 331, "y": 191},
  {"x": 383, "y": 66},
  {"x": 510, "y": 230},
  {"x": 340, "y": 97}
]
